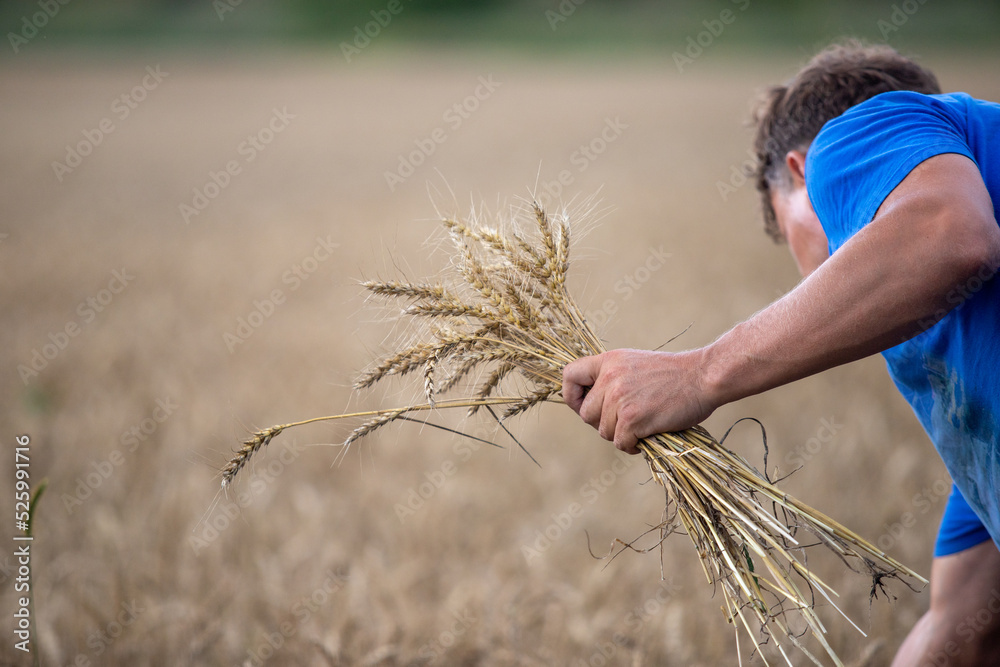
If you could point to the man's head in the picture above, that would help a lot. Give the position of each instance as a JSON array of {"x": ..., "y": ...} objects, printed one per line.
[{"x": 788, "y": 118}]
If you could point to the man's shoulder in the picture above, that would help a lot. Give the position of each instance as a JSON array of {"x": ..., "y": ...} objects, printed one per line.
[
  {"x": 891, "y": 119},
  {"x": 897, "y": 98},
  {"x": 860, "y": 156},
  {"x": 895, "y": 106},
  {"x": 902, "y": 107}
]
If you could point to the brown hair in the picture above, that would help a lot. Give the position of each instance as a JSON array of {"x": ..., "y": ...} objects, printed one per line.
[{"x": 788, "y": 117}]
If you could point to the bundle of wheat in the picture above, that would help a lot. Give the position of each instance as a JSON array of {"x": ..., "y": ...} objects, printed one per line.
[{"x": 507, "y": 314}]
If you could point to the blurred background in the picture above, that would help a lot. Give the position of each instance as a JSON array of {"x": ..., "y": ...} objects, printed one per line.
[{"x": 189, "y": 193}]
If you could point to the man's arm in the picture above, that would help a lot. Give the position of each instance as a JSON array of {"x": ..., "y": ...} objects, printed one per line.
[{"x": 931, "y": 234}]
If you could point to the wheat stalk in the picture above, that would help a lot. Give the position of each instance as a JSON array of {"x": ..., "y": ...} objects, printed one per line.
[{"x": 507, "y": 311}]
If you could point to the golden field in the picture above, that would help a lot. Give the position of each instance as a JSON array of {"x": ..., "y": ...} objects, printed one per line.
[{"x": 188, "y": 271}]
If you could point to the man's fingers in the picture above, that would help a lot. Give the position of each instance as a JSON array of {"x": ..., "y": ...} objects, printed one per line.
[
  {"x": 578, "y": 377},
  {"x": 592, "y": 407},
  {"x": 626, "y": 442},
  {"x": 608, "y": 421},
  {"x": 625, "y": 433}
]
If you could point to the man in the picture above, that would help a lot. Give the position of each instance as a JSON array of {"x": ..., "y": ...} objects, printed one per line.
[{"x": 885, "y": 192}]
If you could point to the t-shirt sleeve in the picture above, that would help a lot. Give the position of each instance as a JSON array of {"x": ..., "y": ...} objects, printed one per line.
[{"x": 859, "y": 157}]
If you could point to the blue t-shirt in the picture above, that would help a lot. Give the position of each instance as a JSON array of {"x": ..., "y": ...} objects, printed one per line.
[{"x": 948, "y": 373}]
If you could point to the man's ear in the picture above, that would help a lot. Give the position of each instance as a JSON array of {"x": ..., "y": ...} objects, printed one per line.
[{"x": 796, "y": 163}]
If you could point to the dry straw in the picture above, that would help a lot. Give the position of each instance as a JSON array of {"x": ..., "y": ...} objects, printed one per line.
[{"x": 507, "y": 318}]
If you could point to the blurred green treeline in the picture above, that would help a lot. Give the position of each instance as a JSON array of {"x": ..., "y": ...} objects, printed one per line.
[{"x": 605, "y": 26}]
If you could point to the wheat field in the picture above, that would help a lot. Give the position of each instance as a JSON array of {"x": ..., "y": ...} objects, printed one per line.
[{"x": 195, "y": 275}]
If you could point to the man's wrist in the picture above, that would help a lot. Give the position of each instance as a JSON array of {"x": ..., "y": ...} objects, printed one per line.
[
  {"x": 722, "y": 375},
  {"x": 710, "y": 377}
]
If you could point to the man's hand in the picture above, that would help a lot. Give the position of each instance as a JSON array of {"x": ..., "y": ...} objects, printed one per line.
[{"x": 630, "y": 394}]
